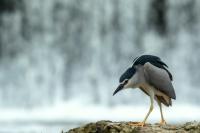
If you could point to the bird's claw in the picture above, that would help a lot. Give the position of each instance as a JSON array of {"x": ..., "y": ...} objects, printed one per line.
[
  {"x": 162, "y": 122},
  {"x": 137, "y": 124}
]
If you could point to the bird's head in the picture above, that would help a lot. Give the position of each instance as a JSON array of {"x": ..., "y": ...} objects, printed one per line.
[{"x": 125, "y": 79}]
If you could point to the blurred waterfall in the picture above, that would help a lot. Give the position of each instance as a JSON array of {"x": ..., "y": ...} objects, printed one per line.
[{"x": 54, "y": 51}]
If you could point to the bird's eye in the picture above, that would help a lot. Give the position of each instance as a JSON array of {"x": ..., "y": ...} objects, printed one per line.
[{"x": 126, "y": 81}]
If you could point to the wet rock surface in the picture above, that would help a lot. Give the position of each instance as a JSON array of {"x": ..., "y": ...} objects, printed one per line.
[{"x": 125, "y": 127}]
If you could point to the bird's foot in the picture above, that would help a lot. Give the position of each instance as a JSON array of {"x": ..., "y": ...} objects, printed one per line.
[
  {"x": 137, "y": 124},
  {"x": 162, "y": 122}
]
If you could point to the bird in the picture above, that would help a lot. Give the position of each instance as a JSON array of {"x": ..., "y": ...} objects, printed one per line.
[{"x": 151, "y": 75}]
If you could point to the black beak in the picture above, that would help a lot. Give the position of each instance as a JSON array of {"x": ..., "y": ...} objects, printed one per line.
[{"x": 119, "y": 88}]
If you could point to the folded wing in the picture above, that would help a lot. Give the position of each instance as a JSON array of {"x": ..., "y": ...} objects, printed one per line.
[{"x": 160, "y": 79}]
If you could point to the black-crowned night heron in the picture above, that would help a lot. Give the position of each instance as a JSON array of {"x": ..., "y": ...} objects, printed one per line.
[{"x": 150, "y": 74}]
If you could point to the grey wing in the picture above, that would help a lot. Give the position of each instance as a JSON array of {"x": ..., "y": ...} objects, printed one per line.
[{"x": 160, "y": 79}]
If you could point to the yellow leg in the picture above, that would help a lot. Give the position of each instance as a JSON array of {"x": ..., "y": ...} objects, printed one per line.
[
  {"x": 151, "y": 94},
  {"x": 151, "y": 106},
  {"x": 162, "y": 122}
]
